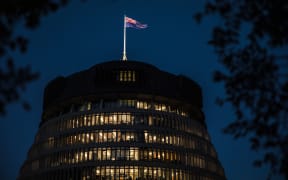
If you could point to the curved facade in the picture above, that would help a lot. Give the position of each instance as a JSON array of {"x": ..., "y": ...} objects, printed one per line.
[{"x": 122, "y": 120}]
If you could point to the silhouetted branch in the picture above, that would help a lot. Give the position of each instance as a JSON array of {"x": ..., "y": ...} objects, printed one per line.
[
  {"x": 13, "y": 79},
  {"x": 255, "y": 79}
]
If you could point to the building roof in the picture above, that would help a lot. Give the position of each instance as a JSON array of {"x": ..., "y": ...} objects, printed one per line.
[{"x": 104, "y": 79}]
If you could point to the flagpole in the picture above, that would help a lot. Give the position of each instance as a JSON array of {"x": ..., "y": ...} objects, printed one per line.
[{"x": 124, "y": 58}]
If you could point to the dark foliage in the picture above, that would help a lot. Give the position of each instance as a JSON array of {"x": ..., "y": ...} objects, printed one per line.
[
  {"x": 13, "y": 79},
  {"x": 251, "y": 43}
]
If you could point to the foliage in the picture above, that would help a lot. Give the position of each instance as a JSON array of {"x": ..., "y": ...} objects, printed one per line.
[
  {"x": 251, "y": 43},
  {"x": 13, "y": 79}
]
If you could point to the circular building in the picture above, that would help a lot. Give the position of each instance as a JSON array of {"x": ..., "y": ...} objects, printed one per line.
[{"x": 122, "y": 120}]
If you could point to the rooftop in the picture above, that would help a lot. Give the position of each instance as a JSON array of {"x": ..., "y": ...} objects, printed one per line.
[{"x": 122, "y": 77}]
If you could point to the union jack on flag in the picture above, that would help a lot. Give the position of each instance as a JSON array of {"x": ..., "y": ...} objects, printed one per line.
[{"x": 134, "y": 24}]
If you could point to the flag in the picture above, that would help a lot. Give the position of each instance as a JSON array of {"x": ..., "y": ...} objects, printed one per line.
[{"x": 134, "y": 24}]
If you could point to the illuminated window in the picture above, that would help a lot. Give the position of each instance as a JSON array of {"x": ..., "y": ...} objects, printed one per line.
[
  {"x": 114, "y": 119},
  {"x": 92, "y": 120},
  {"x": 86, "y": 106},
  {"x": 127, "y": 76},
  {"x": 142, "y": 105},
  {"x": 108, "y": 153},
  {"x": 90, "y": 155},
  {"x": 89, "y": 105},
  {"x": 101, "y": 119}
]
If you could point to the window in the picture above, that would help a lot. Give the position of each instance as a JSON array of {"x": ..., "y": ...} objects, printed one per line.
[
  {"x": 35, "y": 165},
  {"x": 51, "y": 142},
  {"x": 127, "y": 76},
  {"x": 127, "y": 103}
]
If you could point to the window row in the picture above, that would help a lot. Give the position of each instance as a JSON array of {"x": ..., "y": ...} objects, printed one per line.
[
  {"x": 155, "y": 120},
  {"x": 130, "y": 103},
  {"x": 124, "y": 154},
  {"x": 100, "y": 136},
  {"x": 124, "y": 173}
]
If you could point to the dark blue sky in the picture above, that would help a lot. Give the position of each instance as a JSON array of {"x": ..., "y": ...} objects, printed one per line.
[{"x": 84, "y": 34}]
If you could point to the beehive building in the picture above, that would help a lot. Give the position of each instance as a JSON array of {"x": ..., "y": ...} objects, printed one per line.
[{"x": 122, "y": 120}]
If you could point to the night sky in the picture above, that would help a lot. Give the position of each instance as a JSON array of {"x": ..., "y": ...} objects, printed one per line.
[{"x": 84, "y": 34}]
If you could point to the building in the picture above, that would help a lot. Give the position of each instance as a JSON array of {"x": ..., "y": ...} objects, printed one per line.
[{"x": 123, "y": 120}]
